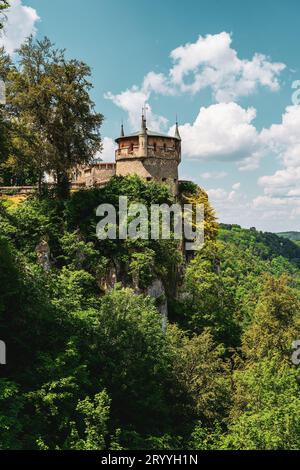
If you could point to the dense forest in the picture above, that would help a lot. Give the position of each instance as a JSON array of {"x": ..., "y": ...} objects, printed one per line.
[
  {"x": 90, "y": 366},
  {"x": 91, "y": 363}
]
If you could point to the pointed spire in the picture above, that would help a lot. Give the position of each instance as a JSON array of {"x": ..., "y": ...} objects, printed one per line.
[
  {"x": 122, "y": 130},
  {"x": 143, "y": 123},
  {"x": 177, "y": 135}
]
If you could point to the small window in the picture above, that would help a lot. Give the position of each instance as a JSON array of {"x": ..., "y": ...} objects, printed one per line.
[
  {"x": 165, "y": 147},
  {"x": 131, "y": 147},
  {"x": 175, "y": 180},
  {"x": 154, "y": 146},
  {"x": 149, "y": 178},
  {"x": 164, "y": 179}
]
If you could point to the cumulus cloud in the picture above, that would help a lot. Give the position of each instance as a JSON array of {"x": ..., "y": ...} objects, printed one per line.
[
  {"x": 158, "y": 83},
  {"x": 217, "y": 194},
  {"x": 279, "y": 204},
  {"x": 212, "y": 62},
  {"x": 281, "y": 211},
  {"x": 108, "y": 151},
  {"x": 132, "y": 101},
  {"x": 223, "y": 131},
  {"x": 221, "y": 195},
  {"x": 284, "y": 138},
  {"x": 282, "y": 183},
  {"x": 232, "y": 206},
  {"x": 214, "y": 175},
  {"x": 283, "y": 141},
  {"x": 21, "y": 23}
]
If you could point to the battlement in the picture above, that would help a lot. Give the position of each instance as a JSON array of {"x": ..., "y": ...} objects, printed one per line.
[{"x": 147, "y": 154}]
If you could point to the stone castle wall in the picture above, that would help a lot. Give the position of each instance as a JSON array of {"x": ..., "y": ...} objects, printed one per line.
[
  {"x": 148, "y": 155},
  {"x": 160, "y": 163},
  {"x": 95, "y": 174}
]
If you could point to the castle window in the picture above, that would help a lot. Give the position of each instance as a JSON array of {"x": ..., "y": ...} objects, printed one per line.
[
  {"x": 154, "y": 146},
  {"x": 165, "y": 147},
  {"x": 149, "y": 178},
  {"x": 131, "y": 147},
  {"x": 175, "y": 180},
  {"x": 164, "y": 179}
]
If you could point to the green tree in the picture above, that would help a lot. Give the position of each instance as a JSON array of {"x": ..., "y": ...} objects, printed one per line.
[
  {"x": 207, "y": 299},
  {"x": 275, "y": 323},
  {"x": 202, "y": 374},
  {"x": 266, "y": 385},
  {"x": 95, "y": 414},
  {"x": 4, "y": 4},
  {"x": 50, "y": 94},
  {"x": 265, "y": 415},
  {"x": 5, "y": 126}
]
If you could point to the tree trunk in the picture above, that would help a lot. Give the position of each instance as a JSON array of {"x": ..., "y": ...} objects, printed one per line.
[{"x": 62, "y": 185}]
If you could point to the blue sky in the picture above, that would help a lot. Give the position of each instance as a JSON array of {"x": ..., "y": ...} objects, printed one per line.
[{"x": 226, "y": 68}]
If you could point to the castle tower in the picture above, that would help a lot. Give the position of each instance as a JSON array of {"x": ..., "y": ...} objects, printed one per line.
[{"x": 150, "y": 155}]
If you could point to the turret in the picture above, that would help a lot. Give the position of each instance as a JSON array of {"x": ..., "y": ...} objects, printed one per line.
[
  {"x": 122, "y": 130},
  {"x": 177, "y": 135},
  {"x": 150, "y": 155},
  {"x": 143, "y": 138}
]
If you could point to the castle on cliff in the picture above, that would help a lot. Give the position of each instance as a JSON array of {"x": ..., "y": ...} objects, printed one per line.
[{"x": 145, "y": 153}]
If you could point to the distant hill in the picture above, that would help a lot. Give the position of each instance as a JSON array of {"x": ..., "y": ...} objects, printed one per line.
[
  {"x": 294, "y": 236},
  {"x": 263, "y": 246}
]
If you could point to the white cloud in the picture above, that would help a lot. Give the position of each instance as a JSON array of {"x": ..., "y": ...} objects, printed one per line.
[
  {"x": 231, "y": 206},
  {"x": 279, "y": 205},
  {"x": 222, "y": 131},
  {"x": 214, "y": 175},
  {"x": 225, "y": 131},
  {"x": 158, "y": 83},
  {"x": 281, "y": 212},
  {"x": 132, "y": 101},
  {"x": 221, "y": 195},
  {"x": 21, "y": 21},
  {"x": 282, "y": 182},
  {"x": 211, "y": 62},
  {"x": 108, "y": 152},
  {"x": 266, "y": 202},
  {"x": 284, "y": 138},
  {"x": 218, "y": 194},
  {"x": 282, "y": 188}
]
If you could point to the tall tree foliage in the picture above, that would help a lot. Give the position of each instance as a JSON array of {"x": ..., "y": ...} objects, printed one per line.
[
  {"x": 101, "y": 373},
  {"x": 50, "y": 98},
  {"x": 5, "y": 125},
  {"x": 4, "y": 4}
]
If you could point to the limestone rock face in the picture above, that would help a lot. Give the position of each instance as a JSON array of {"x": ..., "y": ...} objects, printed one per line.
[
  {"x": 43, "y": 255},
  {"x": 108, "y": 282},
  {"x": 157, "y": 291}
]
